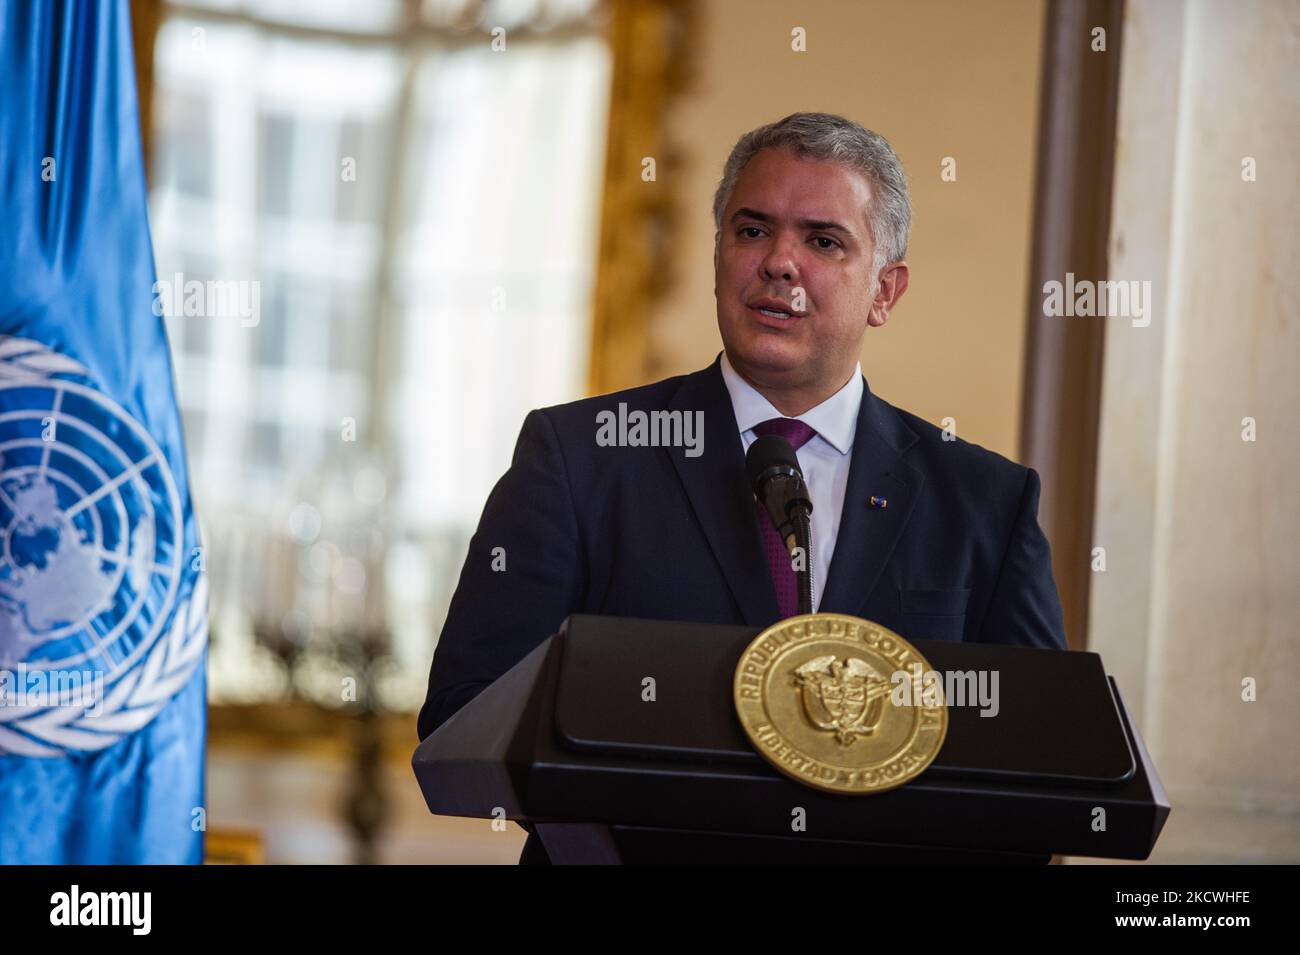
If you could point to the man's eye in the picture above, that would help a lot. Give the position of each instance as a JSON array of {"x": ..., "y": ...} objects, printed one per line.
[
  {"x": 826, "y": 238},
  {"x": 749, "y": 228}
]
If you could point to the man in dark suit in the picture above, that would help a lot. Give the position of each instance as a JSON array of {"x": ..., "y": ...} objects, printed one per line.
[{"x": 608, "y": 511}]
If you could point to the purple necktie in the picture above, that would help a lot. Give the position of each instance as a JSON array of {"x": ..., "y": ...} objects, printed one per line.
[{"x": 778, "y": 558}]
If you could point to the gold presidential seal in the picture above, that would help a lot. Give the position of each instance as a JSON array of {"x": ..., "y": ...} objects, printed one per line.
[{"x": 823, "y": 698}]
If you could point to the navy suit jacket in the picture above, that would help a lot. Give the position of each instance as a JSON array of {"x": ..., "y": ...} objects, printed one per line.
[{"x": 955, "y": 554}]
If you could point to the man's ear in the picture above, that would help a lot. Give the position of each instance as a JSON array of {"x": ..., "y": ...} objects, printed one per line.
[
  {"x": 715, "y": 264},
  {"x": 892, "y": 285}
]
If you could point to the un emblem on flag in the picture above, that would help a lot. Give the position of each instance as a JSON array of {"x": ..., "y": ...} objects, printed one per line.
[{"x": 93, "y": 639}]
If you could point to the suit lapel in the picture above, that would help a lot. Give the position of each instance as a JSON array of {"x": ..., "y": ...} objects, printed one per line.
[
  {"x": 867, "y": 534},
  {"x": 720, "y": 496}
]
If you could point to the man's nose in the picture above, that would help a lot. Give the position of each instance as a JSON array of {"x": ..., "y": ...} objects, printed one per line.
[{"x": 779, "y": 264}]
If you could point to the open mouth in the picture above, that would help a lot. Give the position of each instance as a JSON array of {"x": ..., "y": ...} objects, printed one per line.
[{"x": 774, "y": 313}]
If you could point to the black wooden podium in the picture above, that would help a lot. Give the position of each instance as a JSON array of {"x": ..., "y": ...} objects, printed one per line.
[{"x": 566, "y": 743}]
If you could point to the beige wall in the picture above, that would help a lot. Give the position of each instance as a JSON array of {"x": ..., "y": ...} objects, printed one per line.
[
  {"x": 937, "y": 79},
  {"x": 1202, "y": 582}
]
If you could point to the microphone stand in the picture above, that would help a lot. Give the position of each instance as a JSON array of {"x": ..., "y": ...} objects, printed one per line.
[
  {"x": 802, "y": 535},
  {"x": 778, "y": 485}
]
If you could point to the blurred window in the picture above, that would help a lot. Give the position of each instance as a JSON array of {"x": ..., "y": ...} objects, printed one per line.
[{"x": 414, "y": 216}]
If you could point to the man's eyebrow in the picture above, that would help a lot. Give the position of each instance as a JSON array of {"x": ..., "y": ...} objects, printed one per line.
[{"x": 824, "y": 225}]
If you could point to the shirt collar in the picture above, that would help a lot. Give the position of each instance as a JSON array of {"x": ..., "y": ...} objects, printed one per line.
[{"x": 835, "y": 419}]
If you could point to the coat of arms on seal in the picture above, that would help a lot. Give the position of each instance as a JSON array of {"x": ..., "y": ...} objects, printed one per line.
[
  {"x": 844, "y": 696},
  {"x": 815, "y": 695}
]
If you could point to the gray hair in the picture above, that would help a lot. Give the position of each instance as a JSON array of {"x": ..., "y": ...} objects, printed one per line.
[{"x": 830, "y": 137}]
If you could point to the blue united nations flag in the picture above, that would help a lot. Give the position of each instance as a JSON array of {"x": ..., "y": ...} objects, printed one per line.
[{"x": 103, "y": 604}]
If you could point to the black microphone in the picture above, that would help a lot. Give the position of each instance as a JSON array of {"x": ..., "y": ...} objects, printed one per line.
[{"x": 774, "y": 474}]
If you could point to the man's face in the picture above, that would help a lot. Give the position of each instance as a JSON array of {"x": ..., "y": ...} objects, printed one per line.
[{"x": 795, "y": 225}]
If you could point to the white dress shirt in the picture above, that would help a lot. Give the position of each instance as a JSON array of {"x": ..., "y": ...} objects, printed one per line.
[{"x": 824, "y": 459}]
